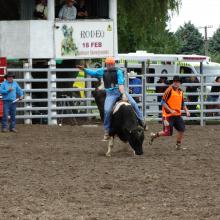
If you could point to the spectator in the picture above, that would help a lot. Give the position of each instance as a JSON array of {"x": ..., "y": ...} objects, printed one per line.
[
  {"x": 214, "y": 98},
  {"x": 10, "y": 90},
  {"x": 58, "y": 7},
  {"x": 82, "y": 10},
  {"x": 192, "y": 98},
  {"x": 134, "y": 80},
  {"x": 41, "y": 10},
  {"x": 68, "y": 11},
  {"x": 161, "y": 89}
]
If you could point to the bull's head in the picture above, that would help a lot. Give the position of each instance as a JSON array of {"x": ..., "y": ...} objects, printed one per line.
[{"x": 136, "y": 139}]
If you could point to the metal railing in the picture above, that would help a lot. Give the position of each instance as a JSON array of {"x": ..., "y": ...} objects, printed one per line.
[
  {"x": 51, "y": 101},
  {"x": 201, "y": 110}
]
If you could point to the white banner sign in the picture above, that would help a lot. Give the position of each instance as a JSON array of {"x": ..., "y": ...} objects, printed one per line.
[{"x": 84, "y": 39}]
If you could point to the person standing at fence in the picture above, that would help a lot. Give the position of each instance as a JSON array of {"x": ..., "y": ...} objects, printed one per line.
[
  {"x": 114, "y": 86},
  {"x": 172, "y": 104},
  {"x": 214, "y": 98},
  {"x": 10, "y": 90},
  {"x": 135, "y": 81},
  {"x": 161, "y": 89}
]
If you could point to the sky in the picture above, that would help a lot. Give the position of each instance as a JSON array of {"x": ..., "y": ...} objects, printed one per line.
[{"x": 200, "y": 12}]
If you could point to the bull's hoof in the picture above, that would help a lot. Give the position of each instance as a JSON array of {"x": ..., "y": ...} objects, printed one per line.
[
  {"x": 106, "y": 137},
  {"x": 139, "y": 153},
  {"x": 146, "y": 128},
  {"x": 108, "y": 154}
]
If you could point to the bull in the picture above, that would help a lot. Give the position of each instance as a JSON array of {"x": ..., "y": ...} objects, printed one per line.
[{"x": 124, "y": 123}]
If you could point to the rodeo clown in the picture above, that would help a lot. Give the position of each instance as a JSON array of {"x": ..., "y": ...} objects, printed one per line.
[
  {"x": 172, "y": 104},
  {"x": 114, "y": 86}
]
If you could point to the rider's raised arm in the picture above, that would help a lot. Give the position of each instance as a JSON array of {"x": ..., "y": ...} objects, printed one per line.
[{"x": 96, "y": 73}]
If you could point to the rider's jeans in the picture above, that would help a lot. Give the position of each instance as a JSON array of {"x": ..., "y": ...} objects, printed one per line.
[{"x": 111, "y": 98}]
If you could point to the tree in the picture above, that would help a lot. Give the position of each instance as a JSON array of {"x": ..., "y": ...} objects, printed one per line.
[
  {"x": 214, "y": 46},
  {"x": 190, "y": 40},
  {"x": 164, "y": 42},
  {"x": 142, "y": 24}
]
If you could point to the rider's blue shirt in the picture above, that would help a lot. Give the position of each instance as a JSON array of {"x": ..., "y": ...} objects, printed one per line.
[{"x": 100, "y": 72}]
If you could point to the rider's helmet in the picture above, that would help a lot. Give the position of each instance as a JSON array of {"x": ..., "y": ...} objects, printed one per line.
[{"x": 110, "y": 60}]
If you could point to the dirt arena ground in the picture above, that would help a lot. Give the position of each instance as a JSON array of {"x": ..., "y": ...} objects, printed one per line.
[{"x": 61, "y": 173}]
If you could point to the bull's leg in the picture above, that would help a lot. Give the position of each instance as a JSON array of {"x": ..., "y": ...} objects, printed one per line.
[{"x": 110, "y": 146}]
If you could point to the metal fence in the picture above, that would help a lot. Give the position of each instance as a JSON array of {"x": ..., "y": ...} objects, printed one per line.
[
  {"x": 202, "y": 108},
  {"x": 52, "y": 101}
]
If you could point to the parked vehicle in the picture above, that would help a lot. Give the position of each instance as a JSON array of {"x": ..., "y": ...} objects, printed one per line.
[{"x": 167, "y": 65}]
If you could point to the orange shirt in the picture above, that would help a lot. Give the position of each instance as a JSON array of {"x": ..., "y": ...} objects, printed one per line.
[{"x": 174, "y": 99}]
